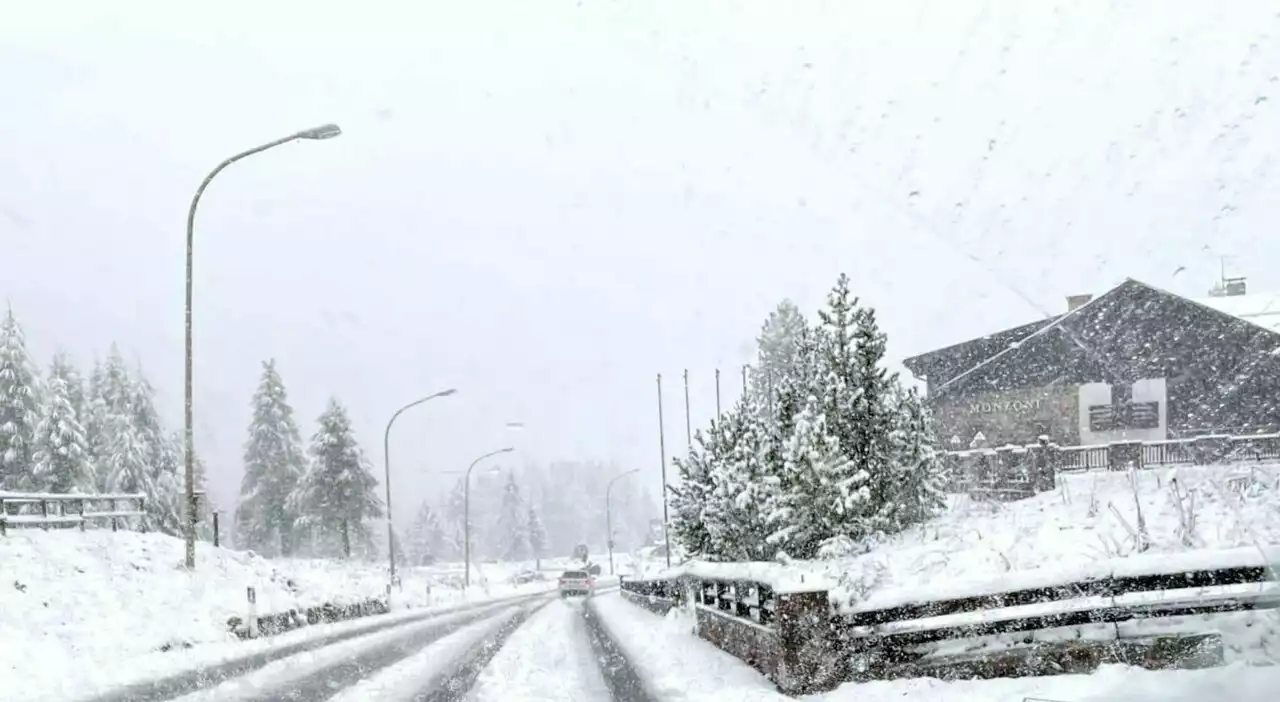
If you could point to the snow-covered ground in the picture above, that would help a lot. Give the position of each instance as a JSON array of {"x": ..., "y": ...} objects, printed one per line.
[
  {"x": 677, "y": 666},
  {"x": 548, "y": 659},
  {"x": 74, "y": 604},
  {"x": 1091, "y": 521}
]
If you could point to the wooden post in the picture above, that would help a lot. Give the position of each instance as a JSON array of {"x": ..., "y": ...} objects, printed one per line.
[
  {"x": 44, "y": 512},
  {"x": 82, "y": 519},
  {"x": 215, "y": 529}
]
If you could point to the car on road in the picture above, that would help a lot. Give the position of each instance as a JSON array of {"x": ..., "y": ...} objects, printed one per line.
[{"x": 577, "y": 582}]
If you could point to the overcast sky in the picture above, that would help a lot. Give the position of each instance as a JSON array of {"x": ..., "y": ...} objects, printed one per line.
[{"x": 544, "y": 204}]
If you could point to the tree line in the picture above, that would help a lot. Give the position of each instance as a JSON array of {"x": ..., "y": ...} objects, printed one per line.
[
  {"x": 825, "y": 452},
  {"x": 61, "y": 434}
]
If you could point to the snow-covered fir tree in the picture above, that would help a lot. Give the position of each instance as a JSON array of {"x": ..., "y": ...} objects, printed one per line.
[
  {"x": 455, "y": 520},
  {"x": 537, "y": 534},
  {"x": 61, "y": 457},
  {"x": 513, "y": 527},
  {"x": 777, "y": 355},
  {"x": 743, "y": 484},
  {"x": 19, "y": 406},
  {"x": 338, "y": 493},
  {"x": 919, "y": 483},
  {"x": 872, "y": 418},
  {"x": 823, "y": 497},
  {"x": 691, "y": 497},
  {"x": 426, "y": 537},
  {"x": 62, "y": 367},
  {"x": 109, "y": 407},
  {"x": 274, "y": 462}
]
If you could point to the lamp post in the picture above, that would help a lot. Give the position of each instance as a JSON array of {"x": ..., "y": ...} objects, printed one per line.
[
  {"x": 325, "y": 131},
  {"x": 466, "y": 515},
  {"x": 608, "y": 514},
  {"x": 386, "y": 464}
]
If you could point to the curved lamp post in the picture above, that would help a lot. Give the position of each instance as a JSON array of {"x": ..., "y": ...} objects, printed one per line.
[
  {"x": 608, "y": 515},
  {"x": 466, "y": 515},
  {"x": 386, "y": 464},
  {"x": 325, "y": 131}
]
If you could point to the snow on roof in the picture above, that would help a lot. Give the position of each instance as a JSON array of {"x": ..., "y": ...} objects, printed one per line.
[{"x": 1262, "y": 309}]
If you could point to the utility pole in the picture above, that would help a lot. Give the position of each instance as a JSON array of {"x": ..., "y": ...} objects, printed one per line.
[
  {"x": 688, "y": 424},
  {"x": 662, "y": 448},
  {"x": 717, "y": 393}
]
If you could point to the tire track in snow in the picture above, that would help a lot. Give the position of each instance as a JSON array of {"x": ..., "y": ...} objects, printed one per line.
[
  {"x": 625, "y": 685},
  {"x": 319, "y": 675},
  {"x": 173, "y": 686},
  {"x": 549, "y": 659}
]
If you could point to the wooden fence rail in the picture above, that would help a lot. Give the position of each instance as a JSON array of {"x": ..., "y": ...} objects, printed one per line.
[
  {"x": 1018, "y": 472},
  {"x": 998, "y": 629},
  {"x": 45, "y": 510}
]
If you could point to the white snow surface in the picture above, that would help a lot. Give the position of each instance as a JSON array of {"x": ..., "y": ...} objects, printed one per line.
[
  {"x": 73, "y": 604},
  {"x": 413, "y": 675},
  {"x": 675, "y": 664},
  {"x": 548, "y": 659},
  {"x": 277, "y": 676},
  {"x": 679, "y": 666},
  {"x": 1072, "y": 533}
]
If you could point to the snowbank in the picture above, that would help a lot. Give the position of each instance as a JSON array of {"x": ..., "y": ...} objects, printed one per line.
[
  {"x": 1083, "y": 528},
  {"x": 73, "y": 598}
]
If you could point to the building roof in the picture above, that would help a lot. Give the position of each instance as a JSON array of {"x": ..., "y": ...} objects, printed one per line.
[
  {"x": 980, "y": 357},
  {"x": 1262, "y": 309}
]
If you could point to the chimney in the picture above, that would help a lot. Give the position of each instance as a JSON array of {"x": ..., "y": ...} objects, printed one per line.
[{"x": 1075, "y": 302}]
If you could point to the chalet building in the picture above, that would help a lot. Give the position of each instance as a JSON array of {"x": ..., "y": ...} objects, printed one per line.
[{"x": 1136, "y": 363}]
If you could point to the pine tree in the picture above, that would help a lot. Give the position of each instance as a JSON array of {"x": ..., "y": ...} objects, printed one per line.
[
  {"x": 537, "y": 536},
  {"x": 19, "y": 406},
  {"x": 338, "y": 493},
  {"x": 61, "y": 456},
  {"x": 166, "y": 479},
  {"x": 273, "y": 465},
  {"x": 871, "y": 419},
  {"x": 426, "y": 538},
  {"x": 777, "y": 356},
  {"x": 690, "y": 501},
  {"x": 513, "y": 530},
  {"x": 918, "y": 481},
  {"x": 62, "y": 368},
  {"x": 823, "y": 494},
  {"x": 743, "y": 485},
  {"x": 109, "y": 407},
  {"x": 455, "y": 519}
]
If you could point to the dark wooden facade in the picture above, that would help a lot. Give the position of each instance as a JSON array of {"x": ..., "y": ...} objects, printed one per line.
[{"x": 1222, "y": 373}]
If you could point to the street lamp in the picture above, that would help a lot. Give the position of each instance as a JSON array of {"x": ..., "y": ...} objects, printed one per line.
[
  {"x": 324, "y": 131},
  {"x": 608, "y": 515},
  {"x": 466, "y": 515},
  {"x": 386, "y": 464}
]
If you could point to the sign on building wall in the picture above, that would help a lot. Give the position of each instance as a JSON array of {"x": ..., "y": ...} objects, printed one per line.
[
  {"x": 1093, "y": 413},
  {"x": 1015, "y": 417}
]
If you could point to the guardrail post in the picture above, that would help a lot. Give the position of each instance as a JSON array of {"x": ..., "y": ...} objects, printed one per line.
[
  {"x": 215, "y": 529},
  {"x": 252, "y": 621},
  {"x": 810, "y": 659}
]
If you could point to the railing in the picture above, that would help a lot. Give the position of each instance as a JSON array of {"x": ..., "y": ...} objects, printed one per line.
[
  {"x": 45, "y": 510},
  {"x": 994, "y": 629},
  {"x": 767, "y": 628},
  {"x": 1017, "y": 472}
]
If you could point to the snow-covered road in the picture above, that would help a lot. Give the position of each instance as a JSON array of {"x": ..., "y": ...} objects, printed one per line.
[{"x": 549, "y": 659}]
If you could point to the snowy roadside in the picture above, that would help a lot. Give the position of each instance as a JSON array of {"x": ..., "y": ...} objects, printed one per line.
[
  {"x": 675, "y": 664},
  {"x": 76, "y": 605},
  {"x": 681, "y": 667},
  {"x": 87, "y": 680}
]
